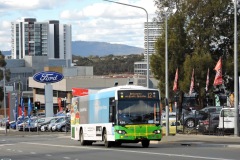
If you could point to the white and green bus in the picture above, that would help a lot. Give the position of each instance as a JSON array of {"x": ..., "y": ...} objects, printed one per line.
[{"x": 121, "y": 114}]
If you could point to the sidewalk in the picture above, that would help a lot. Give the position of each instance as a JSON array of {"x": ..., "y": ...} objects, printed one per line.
[
  {"x": 193, "y": 139},
  {"x": 12, "y": 132}
]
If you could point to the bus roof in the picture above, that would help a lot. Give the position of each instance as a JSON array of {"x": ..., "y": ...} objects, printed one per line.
[
  {"x": 112, "y": 91},
  {"x": 125, "y": 87}
]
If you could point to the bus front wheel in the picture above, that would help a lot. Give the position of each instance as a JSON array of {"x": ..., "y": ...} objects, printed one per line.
[
  {"x": 107, "y": 144},
  {"x": 145, "y": 143}
]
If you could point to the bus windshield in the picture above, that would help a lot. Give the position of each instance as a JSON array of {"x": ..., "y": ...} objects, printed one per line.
[{"x": 138, "y": 112}]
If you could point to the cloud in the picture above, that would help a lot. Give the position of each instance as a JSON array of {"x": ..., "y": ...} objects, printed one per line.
[
  {"x": 92, "y": 11},
  {"x": 108, "y": 10},
  {"x": 124, "y": 31},
  {"x": 5, "y": 38},
  {"x": 111, "y": 22},
  {"x": 91, "y": 20},
  {"x": 29, "y": 4}
]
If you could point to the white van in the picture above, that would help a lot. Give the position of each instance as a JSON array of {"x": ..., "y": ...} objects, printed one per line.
[{"x": 226, "y": 119}]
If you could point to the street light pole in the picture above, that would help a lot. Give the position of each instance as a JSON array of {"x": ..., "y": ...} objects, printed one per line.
[
  {"x": 236, "y": 121},
  {"x": 166, "y": 9},
  {"x": 4, "y": 98},
  {"x": 166, "y": 73},
  {"x": 147, "y": 33}
]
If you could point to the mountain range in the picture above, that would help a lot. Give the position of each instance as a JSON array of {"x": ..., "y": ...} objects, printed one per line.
[{"x": 92, "y": 48}]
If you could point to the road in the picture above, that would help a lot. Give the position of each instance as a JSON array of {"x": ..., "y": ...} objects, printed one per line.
[{"x": 60, "y": 146}]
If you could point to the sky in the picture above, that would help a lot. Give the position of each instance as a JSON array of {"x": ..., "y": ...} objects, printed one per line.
[{"x": 91, "y": 20}]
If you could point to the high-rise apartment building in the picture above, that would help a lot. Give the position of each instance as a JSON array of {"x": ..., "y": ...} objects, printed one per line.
[
  {"x": 32, "y": 38},
  {"x": 154, "y": 31}
]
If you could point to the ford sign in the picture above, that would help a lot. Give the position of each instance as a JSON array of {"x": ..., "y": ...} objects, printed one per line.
[{"x": 48, "y": 77}]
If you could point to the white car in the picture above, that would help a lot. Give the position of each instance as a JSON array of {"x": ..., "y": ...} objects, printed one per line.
[
  {"x": 43, "y": 128},
  {"x": 54, "y": 128},
  {"x": 226, "y": 119}
]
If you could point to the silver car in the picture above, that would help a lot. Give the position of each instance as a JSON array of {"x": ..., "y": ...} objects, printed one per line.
[
  {"x": 50, "y": 125},
  {"x": 44, "y": 126}
]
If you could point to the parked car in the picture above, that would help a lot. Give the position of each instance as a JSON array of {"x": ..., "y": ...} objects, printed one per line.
[
  {"x": 41, "y": 114},
  {"x": 171, "y": 116},
  {"x": 60, "y": 113},
  {"x": 58, "y": 125},
  {"x": 60, "y": 119},
  {"x": 13, "y": 124},
  {"x": 212, "y": 109},
  {"x": 209, "y": 125},
  {"x": 63, "y": 126},
  {"x": 227, "y": 120},
  {"x": 174, "y": 127},
  {"x": 44, "y": 126},
  {"x": 191, "y": 120},
  {"x": 25, "y": 125},
  {"x": 35, "y": 124},
  {"x": 5, "y": 121}
]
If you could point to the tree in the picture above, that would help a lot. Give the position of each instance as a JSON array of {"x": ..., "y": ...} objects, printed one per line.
[
  {"x": 176, "y": 51},
  {"x": 109, "y": 64},
  {"x": 7, "y": 74},
  {"x": 195, "y": 62},
  {"x": 198, "y": 34}
]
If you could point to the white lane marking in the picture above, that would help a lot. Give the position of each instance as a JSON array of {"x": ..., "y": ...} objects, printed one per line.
[
  {"x": 66, "y": 157},
  {"x": 128, "y": 151},
  {"x": 2, "y": 145},
  {"x": 48, "y": 155},
  {"x": 33, "y": 152}
]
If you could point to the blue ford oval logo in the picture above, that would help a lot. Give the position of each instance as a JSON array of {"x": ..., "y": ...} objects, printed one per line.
[{"x": 48, "y": 77}]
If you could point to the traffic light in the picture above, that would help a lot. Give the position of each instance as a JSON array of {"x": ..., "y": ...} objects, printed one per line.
[
  {"x": 34, "y": 112},
  {"x": 37, "y": 105}
]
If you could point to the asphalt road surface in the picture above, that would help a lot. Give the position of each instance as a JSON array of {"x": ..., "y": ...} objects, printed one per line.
[{"x": 61, "y": 147}]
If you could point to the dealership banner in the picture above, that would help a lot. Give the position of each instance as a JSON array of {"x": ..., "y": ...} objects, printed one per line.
[{"x": 79, "y": 91}]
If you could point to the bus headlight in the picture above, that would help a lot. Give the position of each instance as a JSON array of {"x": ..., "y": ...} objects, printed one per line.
[
  {"x": 157, "y": 131},
  {"x": 121, "y": 132}
]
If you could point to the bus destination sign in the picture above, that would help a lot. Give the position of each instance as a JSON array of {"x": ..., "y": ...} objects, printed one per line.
[{"x": 138, "y": 94}]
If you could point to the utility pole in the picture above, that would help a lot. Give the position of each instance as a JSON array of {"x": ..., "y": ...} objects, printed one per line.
[{"x": 236, "y": 121}]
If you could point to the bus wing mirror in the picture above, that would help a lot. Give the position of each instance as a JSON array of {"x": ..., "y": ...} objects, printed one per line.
[{"x": 113, "y": 117}]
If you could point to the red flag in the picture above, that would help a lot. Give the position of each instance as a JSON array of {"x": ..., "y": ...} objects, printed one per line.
[
  {"x": 20, "y": 110},
  {"x": 218, "y": 78},
  {"x": 59, "y": 104},
  {"x": 192, "y": 83},
  {"x": 175, "y": 83},
  {"x": 207, "y": 81}
]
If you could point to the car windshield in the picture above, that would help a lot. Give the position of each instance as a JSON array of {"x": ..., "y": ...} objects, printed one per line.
[
  {"x": 60, "y": 120},
  {"x": 138, "y": 111},
  {"x": 53, "y": 120},
  {"x": 228, "y": 113}
]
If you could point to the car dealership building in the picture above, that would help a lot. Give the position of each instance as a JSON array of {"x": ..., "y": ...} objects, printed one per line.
[{"x": 77, "y": 78}]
